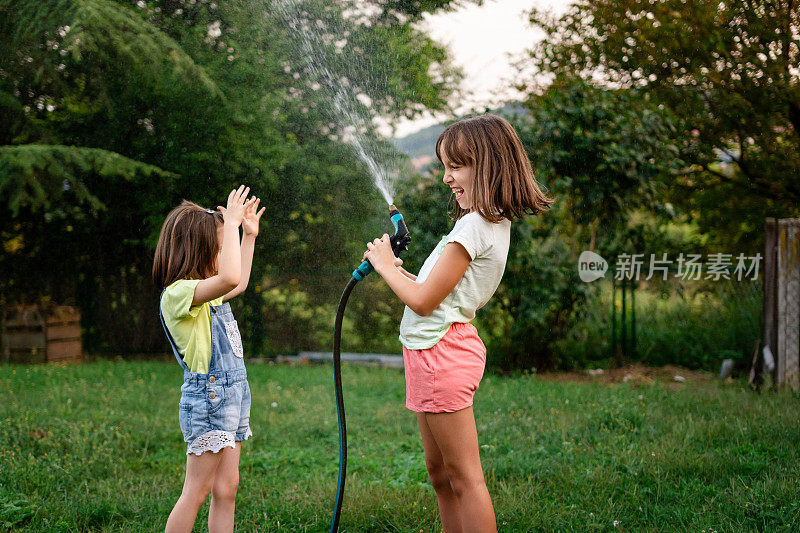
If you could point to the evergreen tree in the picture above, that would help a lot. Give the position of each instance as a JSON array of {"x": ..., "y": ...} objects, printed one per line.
[{"x": 118, "y": 109}]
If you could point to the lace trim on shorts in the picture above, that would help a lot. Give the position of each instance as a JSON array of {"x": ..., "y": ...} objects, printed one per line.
[{"x": 214, "y": 441}]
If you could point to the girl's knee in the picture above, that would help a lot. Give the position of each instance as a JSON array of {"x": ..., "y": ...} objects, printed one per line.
[
  {"x": 463, "y": 481},
  {"x": 437, "y": 474},
  {"x": 226, "y": 488},
  {"x": 196, "y": 493}
]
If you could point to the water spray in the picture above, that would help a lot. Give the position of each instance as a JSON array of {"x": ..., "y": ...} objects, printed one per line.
[
  {"x": 399, "y": 242},
  {"x": 346, "y": 104},
  {"x": 353, "y": 130}
]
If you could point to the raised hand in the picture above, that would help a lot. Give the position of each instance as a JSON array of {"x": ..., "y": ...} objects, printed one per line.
[
  {"x": 252, "y": 216},
  {"x": 234, "y": 213}
]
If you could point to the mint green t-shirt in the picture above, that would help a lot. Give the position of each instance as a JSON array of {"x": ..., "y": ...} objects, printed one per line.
[
  {"x": 487, "y": 245},
  {"x": 190, "y": 326}
]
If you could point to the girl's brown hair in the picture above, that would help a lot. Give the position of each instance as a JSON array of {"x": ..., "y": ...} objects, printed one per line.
[
  {"x": 504, "y": 183},
  {"x": 188, "y": 244}
]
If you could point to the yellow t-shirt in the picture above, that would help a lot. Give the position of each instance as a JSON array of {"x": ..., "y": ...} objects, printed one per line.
[{"x": 190, "y": 326}]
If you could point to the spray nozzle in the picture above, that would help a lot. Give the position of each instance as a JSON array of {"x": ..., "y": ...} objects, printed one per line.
[
  {"x": 401, "y": 237},
  {"x": 399, "y": 242}
]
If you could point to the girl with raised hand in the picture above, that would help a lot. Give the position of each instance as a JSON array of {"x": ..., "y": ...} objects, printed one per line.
[
  {"x": 491, "y": 178},
  {"x": 200, "y": 264}
]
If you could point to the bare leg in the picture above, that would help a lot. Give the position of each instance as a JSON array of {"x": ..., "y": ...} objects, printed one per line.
[
  {"x": 223, "y": 493},
  {"x": 448, "y": 503},
  {"x": 196, "y": 486},
  {"x": 457, "y": 438}
]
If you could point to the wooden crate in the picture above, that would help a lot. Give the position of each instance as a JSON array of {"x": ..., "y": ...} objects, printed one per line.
[{"x": 37, "y": 334}]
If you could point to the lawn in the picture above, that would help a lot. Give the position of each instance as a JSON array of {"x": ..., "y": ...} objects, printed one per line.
[{"x": 97, "y": 447}]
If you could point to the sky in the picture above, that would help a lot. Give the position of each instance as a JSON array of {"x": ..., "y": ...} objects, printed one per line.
[{"x": 483, "y": 41}]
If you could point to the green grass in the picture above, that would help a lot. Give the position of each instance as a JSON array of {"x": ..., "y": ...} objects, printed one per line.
[{"x": 97, "y": 447}]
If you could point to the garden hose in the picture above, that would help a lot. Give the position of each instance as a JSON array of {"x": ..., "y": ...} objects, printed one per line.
[{"x": 399, "y": 242}]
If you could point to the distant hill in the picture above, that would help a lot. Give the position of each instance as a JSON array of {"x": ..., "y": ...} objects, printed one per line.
[{"x": 421, "y": 145}]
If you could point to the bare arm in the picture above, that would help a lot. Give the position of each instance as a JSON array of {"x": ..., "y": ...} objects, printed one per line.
[
  {"x": 423, "y": 297},
  {"x": 406, "y": 273},
  {"x": 229, "y": 267},
  {"x": 248, "y": 247},
  {"x": 250, "y": 221}
]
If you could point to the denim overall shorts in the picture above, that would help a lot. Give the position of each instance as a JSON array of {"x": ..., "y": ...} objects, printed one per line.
[{"x": 214, "y": 410}]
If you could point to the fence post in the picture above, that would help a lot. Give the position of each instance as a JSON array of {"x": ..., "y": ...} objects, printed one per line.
[
  {"x": 770, "y": 289},
  {"x": 613, "y": 318},
  {"x": 633, "y": 318},
  {"x": 624, "y": 324},
  {"x": 782, "y": 298}
]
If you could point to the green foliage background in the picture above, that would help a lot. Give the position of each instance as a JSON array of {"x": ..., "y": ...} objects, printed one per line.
[
  {"x": 662, "y": 127},
  {"x": 119, "y": 109}
]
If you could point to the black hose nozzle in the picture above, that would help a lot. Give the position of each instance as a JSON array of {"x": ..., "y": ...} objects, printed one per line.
[{"x": 399, "y": 242}]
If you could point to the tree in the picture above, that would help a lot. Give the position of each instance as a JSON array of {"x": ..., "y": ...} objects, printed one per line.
[
  {"x": 725, "y": 70},
  {"x": 600, "y": 153},
  {"x": 602, "y": 150},
  {"x": 118, "y": 109}
]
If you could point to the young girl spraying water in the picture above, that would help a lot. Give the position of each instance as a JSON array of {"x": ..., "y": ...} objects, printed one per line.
[
  {"x": 200, "y": 264},
  {"x": 491, "y": 178}
]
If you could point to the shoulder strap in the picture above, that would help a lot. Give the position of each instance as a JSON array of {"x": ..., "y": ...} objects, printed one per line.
[{"x": 169, "y": 336}]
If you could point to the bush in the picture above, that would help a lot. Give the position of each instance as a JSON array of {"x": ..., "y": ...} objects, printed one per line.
[{"x": 696, "y": 329}]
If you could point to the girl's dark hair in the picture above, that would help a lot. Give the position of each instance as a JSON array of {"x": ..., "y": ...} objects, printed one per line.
[
  {"x": 504, "y": 183},
  {"x": 188, "y": 244}
]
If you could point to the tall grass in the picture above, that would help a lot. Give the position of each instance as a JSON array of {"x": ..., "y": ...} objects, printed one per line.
[{"x": 691, "y": 328}]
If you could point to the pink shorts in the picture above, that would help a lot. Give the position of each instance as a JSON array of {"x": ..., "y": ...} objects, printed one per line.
[{"x": 444, "y": 378}]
